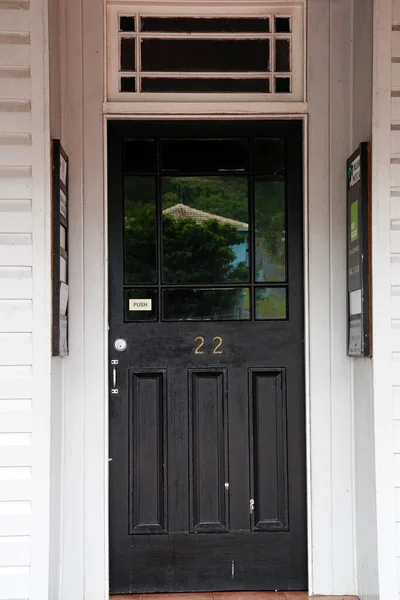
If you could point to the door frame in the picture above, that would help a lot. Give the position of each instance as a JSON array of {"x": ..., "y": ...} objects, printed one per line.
[
  {"x": 232, "y": 119},
  {"x": 330, "y": 481},
  {"x": 238, "y": 115}
]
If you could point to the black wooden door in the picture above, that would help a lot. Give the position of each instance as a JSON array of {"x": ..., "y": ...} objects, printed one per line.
[{"x": 207, "y": 425}]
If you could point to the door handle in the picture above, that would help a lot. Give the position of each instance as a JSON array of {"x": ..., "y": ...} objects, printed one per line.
[{"x": 114, "y": 388}]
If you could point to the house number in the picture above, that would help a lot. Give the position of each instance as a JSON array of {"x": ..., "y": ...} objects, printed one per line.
[{"x": 200, "y": 341}]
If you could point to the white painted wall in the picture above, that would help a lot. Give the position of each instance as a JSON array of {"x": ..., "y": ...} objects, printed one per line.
[{"x": 24, "y": 301}]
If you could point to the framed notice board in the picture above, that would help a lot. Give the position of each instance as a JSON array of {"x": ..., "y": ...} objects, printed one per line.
[
  {"x": 60, "y": 249},
  {"x": 359, "y": 338}
]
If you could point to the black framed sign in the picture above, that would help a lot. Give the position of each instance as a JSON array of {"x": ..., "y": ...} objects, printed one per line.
[
  {"x": 359, "y": 339},
  {"x": 60, "y": 249}
]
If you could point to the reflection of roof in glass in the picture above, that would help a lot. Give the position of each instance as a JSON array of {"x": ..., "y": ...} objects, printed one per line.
[{"x": 181, "y": 211}]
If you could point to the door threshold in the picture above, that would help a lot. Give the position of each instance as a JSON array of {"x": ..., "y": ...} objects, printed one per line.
[{"x": 230, "y": 596}]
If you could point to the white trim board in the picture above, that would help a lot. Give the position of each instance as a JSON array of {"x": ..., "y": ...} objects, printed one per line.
[
  {"x": 331, "y": 437},
  {"x": 255, "y": 110},
  {"x": 41, "y": 220}
]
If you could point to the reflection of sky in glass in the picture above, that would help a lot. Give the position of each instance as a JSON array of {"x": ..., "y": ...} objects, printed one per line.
[{"x": 241, "y": 250}]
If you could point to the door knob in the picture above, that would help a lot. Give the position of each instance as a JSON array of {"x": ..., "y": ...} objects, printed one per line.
[{"x": 120, "y": 345}]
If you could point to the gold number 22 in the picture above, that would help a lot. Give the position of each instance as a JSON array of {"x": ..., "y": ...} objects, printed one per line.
[{"x": 200, "y": 340}]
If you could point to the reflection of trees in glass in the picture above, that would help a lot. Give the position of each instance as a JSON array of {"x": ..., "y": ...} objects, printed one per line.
[
  {"x": 270, "y": 230},
  {"x": 216, "y": 250},
  {"x": 222, "y": 196},
  {"x": 271, "y": 303},
  {"x": 206, "y": 304},
  {"x": 140, "y": 230},
  {"x": 201, "y": 252},
  {"x": 228, "y": 197},
  {"x": 192, "y": 252},
  {"x": 206, "y": 251}
]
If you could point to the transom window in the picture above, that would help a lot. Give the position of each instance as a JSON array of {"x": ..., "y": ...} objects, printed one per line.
[{"x": 203, "y": 53}]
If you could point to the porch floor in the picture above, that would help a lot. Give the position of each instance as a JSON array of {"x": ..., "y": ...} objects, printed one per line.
[{"x": 231, "y": 596}]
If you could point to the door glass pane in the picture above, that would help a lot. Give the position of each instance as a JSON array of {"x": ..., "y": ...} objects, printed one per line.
[
  {"x": 205, "y": 230},
  {"x": 282, "y": 25},
  {"x": 141, "y": 304},
  {"x": 128, "y": 84},
  {"x": 269, "y": 155},
  {"x": 271, "y": 303},
  {"x": 140, "y": 230},
  {"x": 206, "y": 304},
  {"x": 270, "y": 230},
  {"x": 186, "y": 55},
  {"x": 282, "y": 85},
  {"x": 140, "y": 156},
  {"x": 204, "y": 85},
  {"x": 127, "y": 59},
  {"x": 205, "y": 25},
  {"x": 127, "y": 23},
  {"x": 204, "y": 155},
  {"x": 282, "y": 56}
]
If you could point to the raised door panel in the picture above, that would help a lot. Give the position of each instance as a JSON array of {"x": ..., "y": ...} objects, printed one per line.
[
  {"x": 268, "y": 450},
  {"x": 147, "y": 452},
  {"x": 208, "y": 454}
]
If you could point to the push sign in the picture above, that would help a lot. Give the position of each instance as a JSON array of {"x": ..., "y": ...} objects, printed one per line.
[
  {"x": 142, "y": 304},
  {"x": 358, "y": 253}
]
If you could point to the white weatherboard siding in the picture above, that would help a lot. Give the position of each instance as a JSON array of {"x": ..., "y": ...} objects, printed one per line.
[
  {"x": 395, "y": 258},
  {"x": 24, "y": 301}
]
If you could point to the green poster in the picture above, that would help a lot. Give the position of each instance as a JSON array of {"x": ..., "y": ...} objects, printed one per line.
[{"x": 354, "y": 221}]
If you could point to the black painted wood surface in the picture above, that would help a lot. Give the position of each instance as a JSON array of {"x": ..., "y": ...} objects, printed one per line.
[{"x": 208, "y": 465}]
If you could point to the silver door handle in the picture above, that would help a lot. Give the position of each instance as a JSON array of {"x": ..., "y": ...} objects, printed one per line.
[{"x": 114, "y": 389}]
